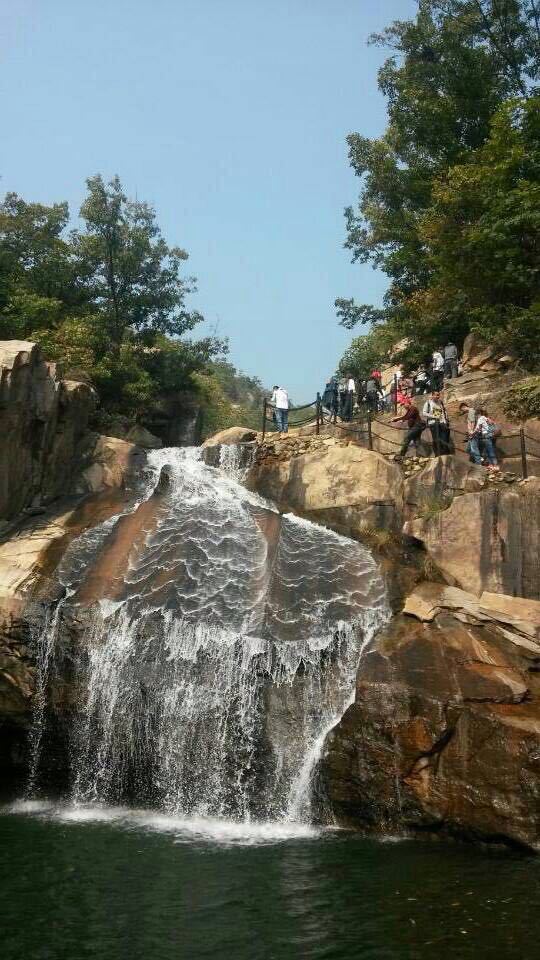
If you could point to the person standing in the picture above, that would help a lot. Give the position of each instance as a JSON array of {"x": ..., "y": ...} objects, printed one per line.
[
  {"x": 437, "y": 371},
  {"x": 435, "y": 414},
  {"x": 280, "y": 400},
  {"x": 373, "y": 392},
  {"x": 487, "y": 429},
  {"x": 342, "y": 391},
  {"x": 349, "y": 401},
  {"x": 330, "y": 398},
  {"x": 415, "y": 427},
  {"x": 474, "y": 438},
  {"x": 451, "y": 357}
]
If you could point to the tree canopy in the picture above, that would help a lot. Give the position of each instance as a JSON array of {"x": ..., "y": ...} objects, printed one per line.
[
  {"x": 108, "y": 299},
  {"x": 449, "y": 207}
]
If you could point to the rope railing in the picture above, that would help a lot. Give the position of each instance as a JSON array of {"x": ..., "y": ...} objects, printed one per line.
[{"x": 362, "y": 426}]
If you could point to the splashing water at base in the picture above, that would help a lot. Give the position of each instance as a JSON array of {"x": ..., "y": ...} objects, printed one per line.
[{"x": 220, "y": 659}]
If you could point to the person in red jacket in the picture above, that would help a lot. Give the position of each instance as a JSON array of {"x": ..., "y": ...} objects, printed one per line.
[{"x": 415, "y": 426}]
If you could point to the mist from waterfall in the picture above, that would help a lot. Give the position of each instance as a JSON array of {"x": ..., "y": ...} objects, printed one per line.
[{"x": 213, "y": 665}]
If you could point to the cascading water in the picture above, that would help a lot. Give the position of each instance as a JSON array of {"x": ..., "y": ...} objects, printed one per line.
[{"x": 221, "y": 645}]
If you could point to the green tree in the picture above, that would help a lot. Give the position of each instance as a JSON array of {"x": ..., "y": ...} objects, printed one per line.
[
  {"x": 451, "y": 68},
  {"x": 131, "y": 273}
]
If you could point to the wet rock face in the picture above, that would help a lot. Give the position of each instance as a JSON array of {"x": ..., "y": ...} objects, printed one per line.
[
  {"x": 42, "y": 423},
  {"x": 445, "y": 731}
]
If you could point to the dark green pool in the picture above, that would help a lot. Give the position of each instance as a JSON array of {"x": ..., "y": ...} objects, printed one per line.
[{"x": 118, "y": 885}]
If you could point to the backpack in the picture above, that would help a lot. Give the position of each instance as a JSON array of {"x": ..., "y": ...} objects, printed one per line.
[{"x": 493, "y": 431}]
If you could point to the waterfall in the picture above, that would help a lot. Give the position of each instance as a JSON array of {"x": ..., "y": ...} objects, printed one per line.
[{"x": 213, "y": 666}]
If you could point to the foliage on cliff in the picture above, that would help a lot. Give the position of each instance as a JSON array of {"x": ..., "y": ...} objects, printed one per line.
[
  {"x": 450, "y": 201},
  {"x": 106, "y": 300}
]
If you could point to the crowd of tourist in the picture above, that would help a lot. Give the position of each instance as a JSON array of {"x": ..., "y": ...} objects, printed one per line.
[{"x": 345, "y": 397}]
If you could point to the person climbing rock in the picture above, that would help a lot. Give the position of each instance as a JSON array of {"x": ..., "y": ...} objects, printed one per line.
[
  {"x": 280, "y": 401},
  {"x": 435, "y": 414},
  {"x": 415, "y": 427}
]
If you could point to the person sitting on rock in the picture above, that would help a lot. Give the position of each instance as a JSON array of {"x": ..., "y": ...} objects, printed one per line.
[
  {"x": 415, "y": 427},
  {"x": 421, "y": 380},
  {"x": 280, "y": 402},
  {"x": 436, "y": 416}
]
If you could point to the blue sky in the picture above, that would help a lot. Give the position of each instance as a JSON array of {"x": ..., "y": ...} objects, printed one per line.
[{"x": 230, "y": 118}]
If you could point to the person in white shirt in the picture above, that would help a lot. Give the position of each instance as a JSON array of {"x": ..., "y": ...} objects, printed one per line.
[
  {"x": 437, "y": 370},
  {"x": 280, "y": 402}
]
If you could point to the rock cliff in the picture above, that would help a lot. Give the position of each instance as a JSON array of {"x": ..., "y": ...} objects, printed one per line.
[
  {"x": 444, "y": 734},
  {"x": 43, "y": 423}
]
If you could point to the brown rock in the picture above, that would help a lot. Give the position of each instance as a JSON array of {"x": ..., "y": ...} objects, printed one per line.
[
  {"x": 43, "y": 421},
  {"x": 444, "y": 735},
  {"x": 487, "y": 541},
  {"x": 343, "y": 486},
  {"x": 232, "y": 435}
]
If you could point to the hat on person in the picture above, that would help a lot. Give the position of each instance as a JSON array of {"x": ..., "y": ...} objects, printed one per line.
[{"x": 376, "y": 375}]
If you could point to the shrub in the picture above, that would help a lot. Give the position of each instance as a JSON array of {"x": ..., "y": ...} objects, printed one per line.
[{"x": 522, "y": 401}]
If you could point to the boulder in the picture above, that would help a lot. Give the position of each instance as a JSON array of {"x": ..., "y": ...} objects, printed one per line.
[
  {"x": 142, "y": 437},
  {"x": 444, "y": 735},
  {"x": 342, "y": 486},
  {"x": 231, "y": 436},
  {"x": 111, "y": 463},
  {"x": 487, "y": 541},
  {"x": 442, "y": 478},
  {"x": 479, "y": 355}
]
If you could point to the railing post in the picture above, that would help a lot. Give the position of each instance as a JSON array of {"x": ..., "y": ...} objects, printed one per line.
[
  {"x": 369, "y": 434},
  {"x": 395, "y": 392},
  {"x": 524, "y": 467},
  {"x": 318, "y": 409},
  {"x": 264, "y": 420}
]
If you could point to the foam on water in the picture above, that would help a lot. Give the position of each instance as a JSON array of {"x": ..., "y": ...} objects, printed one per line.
[{"x": 183, "y": 829}]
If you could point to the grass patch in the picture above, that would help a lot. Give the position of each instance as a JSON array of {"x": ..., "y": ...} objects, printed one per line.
[
  {"x": 434, "y": 504},
  {"x": 379, "y": 538}
]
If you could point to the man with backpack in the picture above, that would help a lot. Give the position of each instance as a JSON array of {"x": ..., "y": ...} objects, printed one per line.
[{"x": 435, "y": 414}]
